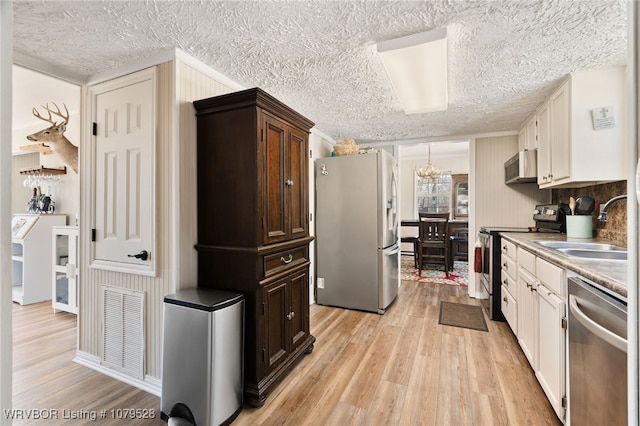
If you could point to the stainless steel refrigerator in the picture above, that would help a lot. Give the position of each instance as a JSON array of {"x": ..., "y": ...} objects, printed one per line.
[{"x": 357, "y": 246}]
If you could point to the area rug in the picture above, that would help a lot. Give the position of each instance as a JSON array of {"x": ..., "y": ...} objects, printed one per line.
[
  {"x": 435, "y": 273},
  {"x": 461, "y": 315}
]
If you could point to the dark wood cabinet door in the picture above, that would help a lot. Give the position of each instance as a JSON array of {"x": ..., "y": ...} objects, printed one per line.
[
  {"x": 275, "y": 215},
  {"x": 277, "y": 327},
  {"x": 297, "y": 183},
  {"x": 286, "y": 196},
  {"x": 299, "y": 319}
]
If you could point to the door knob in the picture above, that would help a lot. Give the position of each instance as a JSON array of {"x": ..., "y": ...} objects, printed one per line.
[{"x": 143, "y": 255}]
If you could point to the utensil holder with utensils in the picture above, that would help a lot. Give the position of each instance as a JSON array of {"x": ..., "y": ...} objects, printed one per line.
[{"x": 579, "y": 226}]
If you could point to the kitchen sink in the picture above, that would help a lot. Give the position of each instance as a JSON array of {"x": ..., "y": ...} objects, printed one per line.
[
  {"x": 595, "y": 254},
  {"x": 580, "y": 245},
  {"x": 587, "y": 250}
]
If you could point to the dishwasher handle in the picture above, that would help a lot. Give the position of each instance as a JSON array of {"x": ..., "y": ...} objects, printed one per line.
[{"x": 597, "y": 329}]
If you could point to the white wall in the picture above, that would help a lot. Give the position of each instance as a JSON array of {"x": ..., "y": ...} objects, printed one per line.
[
  {"x": 498, "y": 204},
  {"x": 32, "y": 90},
  {"x": 492, "y": 202},
  {"x": 457, "y": 164}
]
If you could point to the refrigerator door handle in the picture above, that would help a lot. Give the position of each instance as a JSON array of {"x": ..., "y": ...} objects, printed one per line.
[
  {"x": 638, "y": 181},
  {"x": 393, "y": 250}
]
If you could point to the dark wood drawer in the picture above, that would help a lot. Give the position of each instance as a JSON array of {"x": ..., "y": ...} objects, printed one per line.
[{"x": 284, "y": 260}]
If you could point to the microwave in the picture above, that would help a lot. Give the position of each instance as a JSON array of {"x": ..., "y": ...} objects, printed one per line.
[{"x": 522, "y": 167}]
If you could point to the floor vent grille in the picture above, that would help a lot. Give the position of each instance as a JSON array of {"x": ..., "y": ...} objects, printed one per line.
[{"x": 123, "y": 331}]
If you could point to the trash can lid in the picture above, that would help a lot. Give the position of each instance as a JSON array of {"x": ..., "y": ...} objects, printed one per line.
[{"x": 204, "y": 299}]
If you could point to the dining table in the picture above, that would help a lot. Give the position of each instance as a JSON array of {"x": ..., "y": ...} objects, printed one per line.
[{"x": 453, "y": 225}]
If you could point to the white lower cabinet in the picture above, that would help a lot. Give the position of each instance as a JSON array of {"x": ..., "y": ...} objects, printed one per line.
[
  {"x": 542, "y": 324},
  {"x": 509, "y": 307},
  {"x": 551, "y": 348},
  {"x": 509, "y": 274},
  {"x": 527, "y": 315},
  {"x": 64, "y": 295},
  {"x": 31, "y": 256}
]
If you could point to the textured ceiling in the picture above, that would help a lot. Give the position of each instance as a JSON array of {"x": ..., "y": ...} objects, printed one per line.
[{"x": 319, "y": 57}]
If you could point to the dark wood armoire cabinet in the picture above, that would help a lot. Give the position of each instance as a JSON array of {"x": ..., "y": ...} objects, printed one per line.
[{"x": 253, "y": 225}]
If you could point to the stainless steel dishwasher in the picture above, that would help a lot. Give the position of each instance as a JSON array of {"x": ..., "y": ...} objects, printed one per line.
[{"x": 597, "y": 356}]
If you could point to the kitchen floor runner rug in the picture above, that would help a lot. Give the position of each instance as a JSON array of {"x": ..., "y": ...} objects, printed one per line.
[
  {"x": 435, "y": 273},
  {"x": 462, "y": 315}
]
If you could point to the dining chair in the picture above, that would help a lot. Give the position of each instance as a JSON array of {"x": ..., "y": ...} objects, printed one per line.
[
  {"x": 458, "y": 246},
  {"x": 442, "y": 215},
  {"x": 433, "y": 242},
  {"x": 414, "y": 239}
]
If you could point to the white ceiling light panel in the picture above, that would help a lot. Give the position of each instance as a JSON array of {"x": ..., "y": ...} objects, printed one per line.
[{"x": 417, "y": 68}]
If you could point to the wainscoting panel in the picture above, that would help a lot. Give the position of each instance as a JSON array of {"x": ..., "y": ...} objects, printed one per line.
[
  {"x": 193, "y": 84},
  {"x": 498, "y": 204}
]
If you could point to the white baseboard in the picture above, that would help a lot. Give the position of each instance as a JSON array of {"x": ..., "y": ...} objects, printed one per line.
[{"x": 149, "y": 384}]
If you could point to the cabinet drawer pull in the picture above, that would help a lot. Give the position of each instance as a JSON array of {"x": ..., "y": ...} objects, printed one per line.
[{"x": 287, "y": 260}]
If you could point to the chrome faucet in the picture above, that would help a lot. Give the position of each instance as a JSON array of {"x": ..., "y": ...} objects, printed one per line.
[{"x": 602, "y": 217}]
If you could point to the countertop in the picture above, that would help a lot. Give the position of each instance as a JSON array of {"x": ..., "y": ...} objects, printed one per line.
[{"x": 610, "y": 274}]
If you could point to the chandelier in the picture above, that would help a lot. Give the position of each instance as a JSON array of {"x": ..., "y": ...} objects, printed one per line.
[{"x": 430, "y": 172}]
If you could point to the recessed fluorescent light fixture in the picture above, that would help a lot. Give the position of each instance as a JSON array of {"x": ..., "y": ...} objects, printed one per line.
[{"x": 417, "y": 67}]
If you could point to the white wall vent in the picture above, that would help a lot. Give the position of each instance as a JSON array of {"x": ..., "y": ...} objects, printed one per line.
[{"x": 123, "y": 331}]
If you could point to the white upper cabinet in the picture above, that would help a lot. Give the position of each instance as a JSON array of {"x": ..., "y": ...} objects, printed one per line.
[
  {"x": 527, "y": 136},
  {"x": 581, "y": 131},
  {"x": 544, "y": 148}
]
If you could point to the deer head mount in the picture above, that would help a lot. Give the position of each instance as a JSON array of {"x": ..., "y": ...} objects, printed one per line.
[{"x": 54, "y": 138}]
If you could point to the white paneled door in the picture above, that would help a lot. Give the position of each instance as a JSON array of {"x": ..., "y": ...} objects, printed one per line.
[{"x": 124, "y": 138}]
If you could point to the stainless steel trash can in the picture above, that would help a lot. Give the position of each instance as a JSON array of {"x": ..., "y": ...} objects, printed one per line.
[{"x": 202, "y": 355}]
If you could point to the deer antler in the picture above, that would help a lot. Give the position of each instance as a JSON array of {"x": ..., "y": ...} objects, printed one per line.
[
  {"x": 57, "y": 112},
  {"x": 37, "y": 114}
]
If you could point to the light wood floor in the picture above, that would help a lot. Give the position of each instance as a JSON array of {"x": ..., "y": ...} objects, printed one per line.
[{"x": 401, "y": 368}]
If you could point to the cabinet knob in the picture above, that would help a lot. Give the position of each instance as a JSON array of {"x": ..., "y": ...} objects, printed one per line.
[
  {"x": 290, "y": 315},
  {"x": 505, "y": 299},
  {"x": 289, "y": 182},
  {"x": 505, "y": 265},
  {"x": 287, "y": 260}
]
